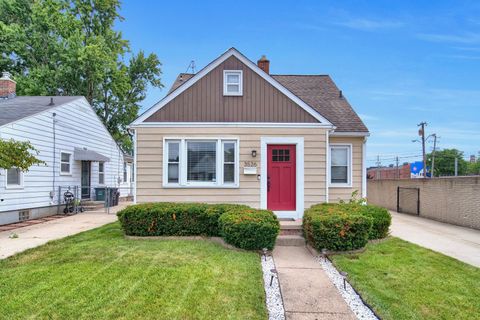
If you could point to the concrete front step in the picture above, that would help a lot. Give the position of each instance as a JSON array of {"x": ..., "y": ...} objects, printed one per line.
[
  {"x": 291, "y": 228},
  {"x": 290, "y": 241}
]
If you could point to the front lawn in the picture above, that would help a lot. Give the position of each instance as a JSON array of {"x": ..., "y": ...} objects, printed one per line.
[
  {"x": 100, "y": 275},
  {"x": 401, "y": 280}
]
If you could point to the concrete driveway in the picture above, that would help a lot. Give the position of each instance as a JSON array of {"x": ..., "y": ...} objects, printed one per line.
[
  {"x": 457, "y": 242},
  {"x": 39, "y": 234}
]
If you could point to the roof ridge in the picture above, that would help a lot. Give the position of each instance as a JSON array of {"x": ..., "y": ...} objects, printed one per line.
[{"x": 301, "y": 75}]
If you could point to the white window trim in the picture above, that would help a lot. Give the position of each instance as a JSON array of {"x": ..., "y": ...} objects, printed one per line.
[
  {"x": 300, "y": 192},
  {"x": 69, "y": 173},
  {"x": 349, "y": 147},
  {"x": 103, "y": 172},
  {"x": 225, "y": 83},
  {"x": 183, "y": 183},
  {"x": 14, "y": 186}
]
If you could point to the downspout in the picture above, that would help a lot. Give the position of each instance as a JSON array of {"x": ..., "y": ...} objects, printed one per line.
[
  {"x": 364, "y": 168},
  {"x": 135, "y": 180},
  {"x": 327, "y": 164},
  {"x": 52, "y": 194}
]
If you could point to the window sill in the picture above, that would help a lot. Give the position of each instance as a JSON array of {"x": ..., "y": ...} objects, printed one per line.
[
  {"x": 177, "y": 186},
  {"x": 232, "y": 94},
  {"x": 340, "y": 185},
  {"x": 65, "y": 173},
  {"x": 14, "y": 187}
]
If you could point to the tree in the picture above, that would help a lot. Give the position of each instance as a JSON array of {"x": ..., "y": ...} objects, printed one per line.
[
  {"x": 474, "y": 168},
  {"x": 445, "y": 162},
  {"x": 70, "y": 47},
  {"x": 18, "y": 154}
]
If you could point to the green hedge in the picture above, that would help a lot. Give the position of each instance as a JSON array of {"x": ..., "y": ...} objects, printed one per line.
[
  {"x": 381, "y": 219},
  {"x": 250, "y": 229},
  {"x": 240, "y": 225},
  {"x": 173, "y": 219},
  {"x": 327, "y": 226}
]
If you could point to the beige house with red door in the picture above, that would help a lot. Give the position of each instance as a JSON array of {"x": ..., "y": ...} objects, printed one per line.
[{"x": 234, "y": 133}]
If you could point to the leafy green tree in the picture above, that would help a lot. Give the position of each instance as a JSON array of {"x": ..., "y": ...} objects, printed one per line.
[
  {"x": 18, "y": 154},
  {"x": 70, "y": 47},
  {"x": 474, "y": 168},
  {"x": 445, "y": 162}
]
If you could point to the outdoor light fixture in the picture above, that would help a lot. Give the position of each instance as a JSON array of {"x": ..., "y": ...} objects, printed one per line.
[
  {"x": 324, "y": 254},
  {"x": 254, "y": 153},
  {"x": 265, "y": 251},
  {"x": 273, "y": 271},
  {"x": 344, "y": 274}
]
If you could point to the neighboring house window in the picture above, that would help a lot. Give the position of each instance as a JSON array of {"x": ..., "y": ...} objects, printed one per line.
[
  {"x": 340, "y": 165},
  {"x": 101, "y": 172},
  {"x": 232, "y": 82},
  {"x": 132, "y": 173},
  {"x": 14, "y": 177},
  {"x": 65, "y": 163},
  {"x": 206, "y": 162},
  {"x": 124, "y": 172}
]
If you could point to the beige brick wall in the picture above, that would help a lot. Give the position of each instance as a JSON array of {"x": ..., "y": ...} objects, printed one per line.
[{"x": 454, "y": 200}]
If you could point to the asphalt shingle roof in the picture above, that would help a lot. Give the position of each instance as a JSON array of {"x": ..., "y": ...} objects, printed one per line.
[
  {"x": 319, "y": 92},
  {"x": 17, "y": 108}
]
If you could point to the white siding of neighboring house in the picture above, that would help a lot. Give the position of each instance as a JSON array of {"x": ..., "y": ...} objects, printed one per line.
[{"x": 77, "y": 125}]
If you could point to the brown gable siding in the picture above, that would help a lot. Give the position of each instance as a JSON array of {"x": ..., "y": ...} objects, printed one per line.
[{"x": 204, "y": 101}]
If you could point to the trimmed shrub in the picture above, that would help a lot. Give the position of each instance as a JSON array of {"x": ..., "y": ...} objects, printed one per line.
[
  {"x": 332, "y": 227},
  {"x": 250, "y": 229},
  {"x": 173, "y": 219},
  {"x": 381, "y": 219}
]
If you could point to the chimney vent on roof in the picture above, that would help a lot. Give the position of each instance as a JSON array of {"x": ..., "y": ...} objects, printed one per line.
[
  {"x": 264, "y": 64},
  {"x": 8, "y": 86},
  {"x": 340, "y": 94},
  {"x": 51, "y": 102}
]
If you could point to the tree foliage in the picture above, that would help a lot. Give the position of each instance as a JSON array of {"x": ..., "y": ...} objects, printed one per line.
[
  {"x": 445, "y": 162},
  {"x": 70, "y": 47},
  {"x": 18, "y": 154}
]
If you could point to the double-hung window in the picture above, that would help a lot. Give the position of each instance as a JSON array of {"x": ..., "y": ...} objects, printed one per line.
[
  {"x": 65, "y": 163},
  {"x": 201, "y": 163},
  {"x": 101, "y": 172},
  {"x": 340, "y": 165},
  {"x": 232, "y": 82},
  {"x": 14, "y": 178}
]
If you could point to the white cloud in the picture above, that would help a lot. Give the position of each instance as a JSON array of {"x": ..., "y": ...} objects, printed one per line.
[
  {"x": 467, "y": 38},
  {"x": 369, "y": 24}
]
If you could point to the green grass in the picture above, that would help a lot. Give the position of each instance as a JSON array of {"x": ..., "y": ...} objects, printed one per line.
[
  {"x": 401, "y": 280},
  {"x": 100, "y": 275}
]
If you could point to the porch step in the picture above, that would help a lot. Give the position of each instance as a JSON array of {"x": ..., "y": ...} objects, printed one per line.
[
  {"x": 291, "y": 228},
  {"x": 92, "y": 205},
  {"x": 290, "y": 241}
]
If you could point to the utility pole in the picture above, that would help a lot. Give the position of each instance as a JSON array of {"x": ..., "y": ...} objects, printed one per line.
[
  {"x": 432, "y": 174},
  {"x": 398, "y": 173},
  {"x": 456, "y": 166},
  {"x": 377, "y": 176},
  {"x": 421, "y": 132}
]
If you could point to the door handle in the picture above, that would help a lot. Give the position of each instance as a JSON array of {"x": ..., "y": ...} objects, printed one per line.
[{"x": 268, "y": 183}]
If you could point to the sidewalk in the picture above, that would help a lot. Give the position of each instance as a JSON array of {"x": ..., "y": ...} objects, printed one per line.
[
  {"x": 39, "y": 234},
  {"x": 454, "y": 241},
  {"x": 307, "y": 291}
]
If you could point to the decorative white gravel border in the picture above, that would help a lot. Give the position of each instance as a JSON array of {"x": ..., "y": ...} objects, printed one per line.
[
  {"x": 273, "y": 296},
  {"x": 353, "y": 300}
]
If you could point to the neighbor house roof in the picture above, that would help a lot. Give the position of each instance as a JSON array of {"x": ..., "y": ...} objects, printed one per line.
[
  {"x": 318, "y": 91},
  {"x": 17, "y": 108}
]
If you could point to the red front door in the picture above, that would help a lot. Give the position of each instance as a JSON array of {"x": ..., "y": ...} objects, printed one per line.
[{"x": 281, "y": 177}]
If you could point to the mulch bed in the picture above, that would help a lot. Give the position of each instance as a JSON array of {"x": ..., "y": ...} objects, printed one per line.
[{"x": 21, "y": 224}]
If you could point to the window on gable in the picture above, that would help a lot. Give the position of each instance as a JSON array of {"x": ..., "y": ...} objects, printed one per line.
[
  {"x": 232, "y": 82},
  {"x": 210, "y": 162},
  {"x": 65, "y": 163},
  {"x": 14, "y": 178},
  {"x": 340, "y": 165}
]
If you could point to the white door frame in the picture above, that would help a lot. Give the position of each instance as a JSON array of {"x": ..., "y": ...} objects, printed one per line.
[{"x": 299, "y": 164}]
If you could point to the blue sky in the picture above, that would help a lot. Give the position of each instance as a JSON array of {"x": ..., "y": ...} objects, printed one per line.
[{"x": 397, "y": 62}]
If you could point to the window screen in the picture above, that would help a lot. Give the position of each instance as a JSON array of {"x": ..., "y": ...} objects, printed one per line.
[
  {"x": 173, "y": 161},
  {"x": 201, "y": 161},
  {"x": 13, "y": 177},
  {"x": 229, "y": 162},
  {"x": 339, "y": 164}
]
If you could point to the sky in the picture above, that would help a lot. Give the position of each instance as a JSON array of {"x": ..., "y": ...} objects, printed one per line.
[{"x": 397, "y": 62}]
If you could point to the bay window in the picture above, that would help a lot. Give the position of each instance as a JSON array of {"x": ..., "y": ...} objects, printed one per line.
[
  {"x": 194, "y": 162},
  {"x": 340, "y": 165}
]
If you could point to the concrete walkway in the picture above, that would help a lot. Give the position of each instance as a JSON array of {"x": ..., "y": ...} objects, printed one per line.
[
  {"x": 457, "y": 242},
  {"x": 39, "y": 234},
  {"x": 307, "y": 291}
]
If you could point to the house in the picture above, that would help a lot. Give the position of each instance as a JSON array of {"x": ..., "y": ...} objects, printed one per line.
[
  {"x": 235, "y": 133},
  {"x": 79, "y": 152},
  {"x": 390, "y": 172}
]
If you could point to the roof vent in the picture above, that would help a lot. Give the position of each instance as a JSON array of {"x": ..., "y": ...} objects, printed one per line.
[
  {"x": 51, "y": 102},
  {"x": 340, "y": 94}
]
